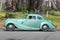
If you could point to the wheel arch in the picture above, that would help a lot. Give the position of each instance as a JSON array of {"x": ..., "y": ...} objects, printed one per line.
[
  {"x": 12, "y": 24},
  {"x": 43, "y": 23},
  {"x": 47, "y": 23}
]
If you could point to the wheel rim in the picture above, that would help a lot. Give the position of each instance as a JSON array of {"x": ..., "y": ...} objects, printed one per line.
[
  {"x": 45, "y": 27},
  {"x": 10, "y": 27}
]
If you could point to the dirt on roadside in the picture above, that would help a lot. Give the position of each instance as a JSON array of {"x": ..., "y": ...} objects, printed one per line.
[
  {"x": 1, "y": 26},
  {"x": 58, "y": 27}
]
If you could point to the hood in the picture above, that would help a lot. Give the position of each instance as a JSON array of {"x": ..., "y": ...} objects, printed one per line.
[{"x": 16, "y": 19}]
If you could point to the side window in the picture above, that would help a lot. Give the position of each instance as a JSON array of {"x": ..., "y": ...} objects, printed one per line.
[
  {"x": 32, "y": 17},
  {"x": 39, "y": 18}
]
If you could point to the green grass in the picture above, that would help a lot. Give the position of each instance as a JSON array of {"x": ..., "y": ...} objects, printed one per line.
[
  {"x": 18, "y": 14},
  {"x": 54, "y": 19},
  {"x": 54, "y": 16},
  {"x": 55, "y": 13},
  {"x": 2, "y": 13}
]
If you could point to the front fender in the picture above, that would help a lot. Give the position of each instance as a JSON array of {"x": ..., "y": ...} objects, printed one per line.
[{"x": 7, "y": 22}]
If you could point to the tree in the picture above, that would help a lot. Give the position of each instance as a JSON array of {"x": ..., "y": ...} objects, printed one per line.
[
  {"x": 7, "y": 8},
  {"x": 39, "y": 6},
  {"x": 35, "y": 5},
  {"x": 0, "y": 5},
  {"x": 16, "y": 5}
]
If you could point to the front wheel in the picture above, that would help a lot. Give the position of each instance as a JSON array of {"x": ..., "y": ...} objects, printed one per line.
[{"x": 10, "y": 27}]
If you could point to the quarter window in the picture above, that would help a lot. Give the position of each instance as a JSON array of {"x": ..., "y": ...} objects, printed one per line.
[{"x": 39, "y": 18}]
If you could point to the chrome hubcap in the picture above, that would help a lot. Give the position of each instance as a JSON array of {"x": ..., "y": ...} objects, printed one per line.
[
  {"x": 44, "y": 27},
  {"x": 10, "y": 26}
]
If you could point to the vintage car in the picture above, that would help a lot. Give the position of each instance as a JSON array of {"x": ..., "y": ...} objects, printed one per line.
[{"x": 29, "y": 22}]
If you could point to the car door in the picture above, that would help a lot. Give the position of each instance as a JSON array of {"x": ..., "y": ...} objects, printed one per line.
[
  {"x": 39, "y": 20},
  {"x": 31, "y": 22}
]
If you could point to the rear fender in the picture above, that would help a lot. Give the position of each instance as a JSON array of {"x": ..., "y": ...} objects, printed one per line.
[{"x": 49, "y": 24}]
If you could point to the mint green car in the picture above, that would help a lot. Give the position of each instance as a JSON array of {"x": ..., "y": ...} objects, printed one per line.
[{"x": 30, "y": 22}]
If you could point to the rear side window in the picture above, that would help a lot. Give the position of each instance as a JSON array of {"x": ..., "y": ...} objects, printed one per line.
[{"x": 39, "y": 18}]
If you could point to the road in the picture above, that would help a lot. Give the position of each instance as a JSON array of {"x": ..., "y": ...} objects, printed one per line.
[{"x": 29, "y": 35}]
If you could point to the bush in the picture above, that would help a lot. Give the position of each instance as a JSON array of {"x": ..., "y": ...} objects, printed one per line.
[
  {"x": 55, "y": 13},
  {"x": 11, "y": 16}
]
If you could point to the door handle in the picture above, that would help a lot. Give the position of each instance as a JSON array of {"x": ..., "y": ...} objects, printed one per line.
[{"x": 22, "y": 22}]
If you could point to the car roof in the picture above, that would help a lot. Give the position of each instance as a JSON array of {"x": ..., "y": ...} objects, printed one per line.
[{"x": 34, "y": 15}]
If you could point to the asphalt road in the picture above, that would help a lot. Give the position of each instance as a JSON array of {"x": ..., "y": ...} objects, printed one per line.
[{"x": 29, "y": 35}]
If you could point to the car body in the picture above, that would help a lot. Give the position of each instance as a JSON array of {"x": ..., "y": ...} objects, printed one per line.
[{"x": 30, "y": 22}]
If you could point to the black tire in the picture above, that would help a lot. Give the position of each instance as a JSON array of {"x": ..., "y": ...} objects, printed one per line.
[
  {"x": 10, "y": 27},
  {"x": 45, "y": 27}
]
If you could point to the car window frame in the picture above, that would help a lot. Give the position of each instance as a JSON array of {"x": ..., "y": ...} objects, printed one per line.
[
  {"x": 40, "y": 17},
  {"x": 31, "y": 18}
]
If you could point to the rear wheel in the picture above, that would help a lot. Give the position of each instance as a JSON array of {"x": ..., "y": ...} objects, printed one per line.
[
  {"x": 10, "y": 27},
  {"x": 45, "y": 27}
]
